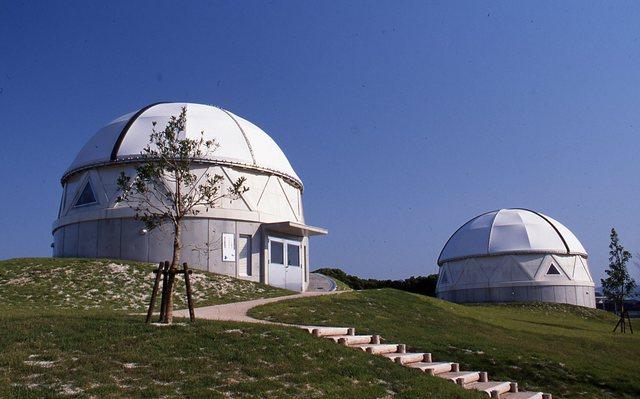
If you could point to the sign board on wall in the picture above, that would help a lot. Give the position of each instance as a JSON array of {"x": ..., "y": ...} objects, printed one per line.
[{"x": 228, "y": 247}]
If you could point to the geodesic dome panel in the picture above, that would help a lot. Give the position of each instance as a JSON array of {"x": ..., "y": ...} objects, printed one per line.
[
  {"x": 241, "y": 142},
  {"x": 510, "y": 231}
]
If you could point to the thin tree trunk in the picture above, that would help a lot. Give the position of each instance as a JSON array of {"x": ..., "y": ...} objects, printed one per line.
[{"x": 172, "y": 272}]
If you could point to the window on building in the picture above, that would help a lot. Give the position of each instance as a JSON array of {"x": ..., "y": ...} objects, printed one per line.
[
  {"x": 553, "y": 270},
  {"x": 293, "y": 255},
  {"x": 87, "y": 196},
  {"x": 277, "y": 253}
]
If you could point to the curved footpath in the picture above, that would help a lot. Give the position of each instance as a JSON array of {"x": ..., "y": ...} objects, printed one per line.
[{"x": 237, "y": 311}]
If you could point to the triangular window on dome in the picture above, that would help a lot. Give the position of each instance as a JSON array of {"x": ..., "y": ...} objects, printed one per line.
[
  {"x": 87, "y": 196},
  {"x": 553, "y": 269}
]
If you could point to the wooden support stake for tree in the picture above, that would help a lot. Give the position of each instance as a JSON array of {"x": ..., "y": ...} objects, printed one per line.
[
  {"x": 618, "y": 324},
  {"x": 154, "y": 293},
  {"x": 187, "y": 283},
  {"x": 165, "y": 296},
  {"x": 168, "y": 308},
  {"x": 623, "y": 321}
]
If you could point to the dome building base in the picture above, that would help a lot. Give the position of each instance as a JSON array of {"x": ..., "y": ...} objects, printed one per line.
[
  {"x": 580, "y": 295},
  {"x": 234, "y": 248}
]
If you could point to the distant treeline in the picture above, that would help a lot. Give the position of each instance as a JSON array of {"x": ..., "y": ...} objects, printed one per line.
[{"x": 425, "y": 285}]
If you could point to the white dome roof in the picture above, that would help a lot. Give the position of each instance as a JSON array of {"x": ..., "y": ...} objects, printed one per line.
[
  {"x": 510, "y": 231},
  {"x": 241, "y": 142}
]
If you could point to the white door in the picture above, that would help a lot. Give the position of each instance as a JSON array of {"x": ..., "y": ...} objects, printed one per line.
[
  {"x": 276, "y": 263},
  {"x": 244, "y": 258},
  {"x": 285, "y": 265},
  {"x": 293, "y": 270}
]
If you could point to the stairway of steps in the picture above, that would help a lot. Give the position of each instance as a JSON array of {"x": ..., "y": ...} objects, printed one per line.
[{"x": 397, "y": 353}]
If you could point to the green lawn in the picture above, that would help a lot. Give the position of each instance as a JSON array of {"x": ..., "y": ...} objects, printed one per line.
[
  {"x": 61, "y": 339},
  {"x": 111, "y": 356},
  {"x": 564, "y": 350}
]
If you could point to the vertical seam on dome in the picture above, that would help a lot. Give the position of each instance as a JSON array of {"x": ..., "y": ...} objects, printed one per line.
[
  {"x": 564, "y": 242},
  {"x": 125, "y": 129},
  {"x": 246, "y": 139},
  {"x": 455, "y": 232},
  {"x": 491, "y": 231}
]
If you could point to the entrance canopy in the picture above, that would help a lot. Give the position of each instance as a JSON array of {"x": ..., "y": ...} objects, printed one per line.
[{"x": 295, "y": 229}]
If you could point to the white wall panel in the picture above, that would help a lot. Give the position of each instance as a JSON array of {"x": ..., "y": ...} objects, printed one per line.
[
  {"x": 58, "y": 242},
  {"x": 196, "y": 249},
  {"x": 134, "y": 242},
  {"x": 109, "y": 238},
  {"x": 88, "y": 239},
  {"x": 71, "y": 240}
]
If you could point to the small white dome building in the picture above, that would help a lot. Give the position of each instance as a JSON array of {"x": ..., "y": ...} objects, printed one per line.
[
  {"x": 261, "y": 236},
  {"x": 515, "y": 255}
]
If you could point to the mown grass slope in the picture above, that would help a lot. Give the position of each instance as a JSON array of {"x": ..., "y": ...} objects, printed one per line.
[
  {"x": 565, "y": 350},
  {"x": 61, "y": 339}
]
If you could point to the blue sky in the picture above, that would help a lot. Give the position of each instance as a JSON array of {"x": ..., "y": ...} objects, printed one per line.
[{"x": 404, "y": 119}]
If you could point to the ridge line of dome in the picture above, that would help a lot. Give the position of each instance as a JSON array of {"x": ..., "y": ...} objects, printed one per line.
[
  {"x": 491, "y": 229},
  {"x": 127, "y": 126},
  {"x": 553, "y": 226},
  {"x": 460, "y": 228},
  {"x": 246, "y": 139}
]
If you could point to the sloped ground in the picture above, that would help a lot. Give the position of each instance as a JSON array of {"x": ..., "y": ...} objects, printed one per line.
[
  {"x": 566, "y": 350},
  {"x": 89, "y": 355},
  {"x": 55, "y": 343},
  {"x": 87, "y": 284}
]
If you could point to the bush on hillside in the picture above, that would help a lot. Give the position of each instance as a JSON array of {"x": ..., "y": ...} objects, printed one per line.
[{"x": 425, "y": 285}]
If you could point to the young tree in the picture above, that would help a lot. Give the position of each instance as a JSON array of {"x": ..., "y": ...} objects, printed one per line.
[
  {"x": 166, "y": 190},
  {"x": 618, "y": 284}
]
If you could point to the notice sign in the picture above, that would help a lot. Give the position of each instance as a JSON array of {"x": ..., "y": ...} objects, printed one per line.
[{"x": 228, "y": 247}]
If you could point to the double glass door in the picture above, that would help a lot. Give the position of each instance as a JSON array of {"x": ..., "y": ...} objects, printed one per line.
[{"x": 285, "y": 264}]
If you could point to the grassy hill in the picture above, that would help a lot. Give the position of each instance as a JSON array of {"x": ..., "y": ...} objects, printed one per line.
[
  {"x": 86, "y": 284},
  {"x": 566, "y": 350},
  {"x": 66, "y": 332}
]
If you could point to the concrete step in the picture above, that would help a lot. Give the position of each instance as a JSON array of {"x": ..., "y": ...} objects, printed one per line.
[
  {"x": 490, "y": 386},
  {"x": 327, "y": 331},
  {"x": 406, "y": 358},
  {"x": 377, "y": 349},
  {"x": 397, "y": 353},
  {"x": 464, "y": 377},
  {"x": 351, "y": 339},
  {"x": 522, "y": 395},
  {"x": 433, "y": 368}
]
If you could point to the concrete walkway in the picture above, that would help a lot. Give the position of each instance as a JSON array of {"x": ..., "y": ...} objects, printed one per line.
[
  {"x": 237, "y": 311},
  {"x": 319, "y": 282}
]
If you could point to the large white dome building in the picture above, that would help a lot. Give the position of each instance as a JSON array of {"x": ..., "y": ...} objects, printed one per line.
[
  {"x": 261, "y": 237},
  {"x": 515, "y": 255}
]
